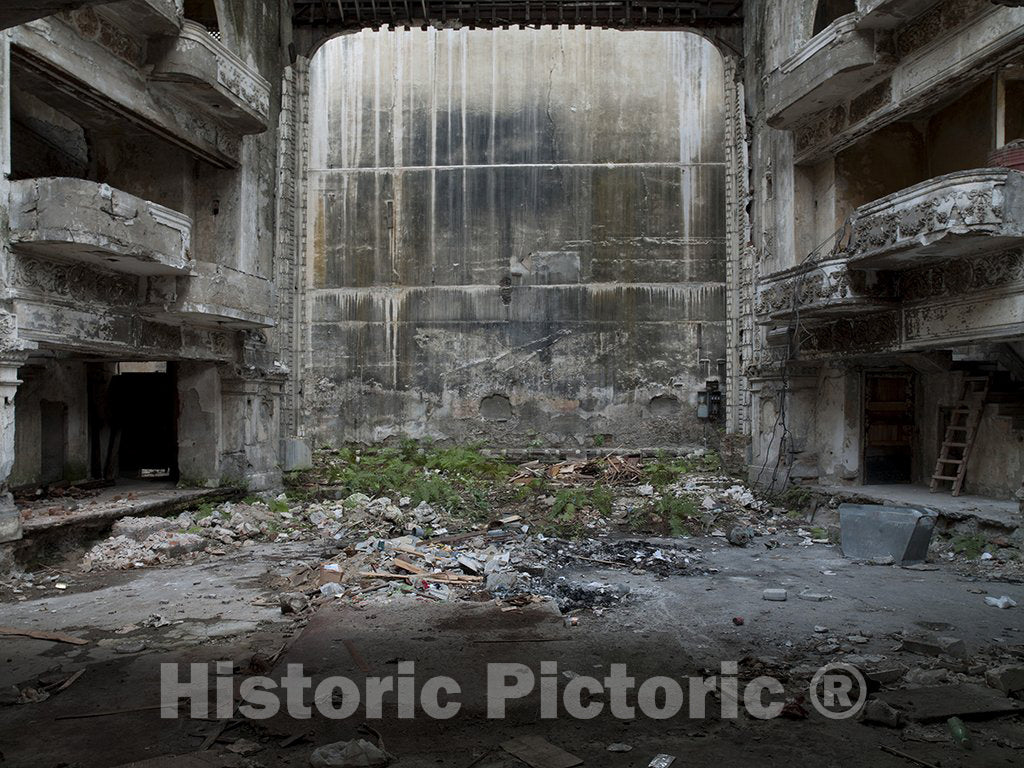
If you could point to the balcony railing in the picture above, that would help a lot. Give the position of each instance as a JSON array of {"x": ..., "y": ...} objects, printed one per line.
[
  {"x": 826, "y": 289},
  {"x": 199, "y": 69},
  {"x": 966, "y": 213},
  {"x": 89, "y": 222},
  {"x": 219, "y": 295}
]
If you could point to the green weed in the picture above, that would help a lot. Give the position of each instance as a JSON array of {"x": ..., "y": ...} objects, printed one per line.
[{"x": 970, "y": 546}]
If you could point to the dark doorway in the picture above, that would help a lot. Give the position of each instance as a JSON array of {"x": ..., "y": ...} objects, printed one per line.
[
  {"x": 134, "y": 421},
  {"x": 888, "y": 428},
  {"x": 53, "y": 425}
]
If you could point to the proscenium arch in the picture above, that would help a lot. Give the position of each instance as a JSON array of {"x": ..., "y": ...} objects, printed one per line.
[
  {"x": 731, "y": 199},
  {"x": 307, "y": 35}
]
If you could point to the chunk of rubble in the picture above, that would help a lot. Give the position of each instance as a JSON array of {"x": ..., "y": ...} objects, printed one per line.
[
  {"x": 929, "y": 645},
  {"x": 141, "y": 528},
  {"x": 880, "y": 713},
  {"x": 349, "y": 754},
  {"x": 1008, "y": 678},
  {"x": 293, "y": 602}
]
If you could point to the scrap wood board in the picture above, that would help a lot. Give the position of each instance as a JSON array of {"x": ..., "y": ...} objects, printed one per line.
[
  {"x": 538, "y": 752},
  {"x": 56, "y": 637}
]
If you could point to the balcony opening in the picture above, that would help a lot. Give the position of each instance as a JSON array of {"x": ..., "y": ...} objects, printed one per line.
[
  {"x": 204, "y": 12},
  {"x": 44, "y": 140},
  {"x": 888, "y": 428},
  {"x": 830, "y": 10},
  {"x": 957, "y": 136},
  {"x": 83, "y": 423},
  {"x": 133, "y": 422}
]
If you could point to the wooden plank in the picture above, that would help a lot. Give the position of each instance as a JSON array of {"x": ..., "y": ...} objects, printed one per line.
[
  {"x": 538, "y": 752},
  {"x": 407, "y": 566},
  {"x": 55, "y": 637},
  {"x": 194, "y": 760},
  {"x": 380, "y": 575},
  {"x": 357, "y": 657}
]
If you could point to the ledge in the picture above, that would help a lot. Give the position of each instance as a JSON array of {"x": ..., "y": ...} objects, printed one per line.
[
  {"x": 827, "y": 289},
  {"x": 145, "y": 18},
  {"x": 966, "y": 213},
  {"x": 221, "y": 296},
  {"x": 197, "y": 68},
  {"x": 84, "y": 221},
  {"x": 890, "y": 14},
  {"x": 840, "y": 58}
]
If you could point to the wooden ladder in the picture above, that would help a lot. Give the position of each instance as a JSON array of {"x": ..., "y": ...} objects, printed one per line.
[{"x": 963, "y": 426}]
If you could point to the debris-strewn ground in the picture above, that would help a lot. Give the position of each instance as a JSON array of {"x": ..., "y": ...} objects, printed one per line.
[{"x": 453, "y": 559}]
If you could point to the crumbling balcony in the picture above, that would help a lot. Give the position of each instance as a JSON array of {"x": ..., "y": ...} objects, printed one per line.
[
  {"x": 199, "y": 69},
  {"x": 826, "y": 289},
  {"x": 84, "y": 221},
  {"x": 837, "y": 61},
  {"x": 967, "y": 213},
  {"x": 225, "y": 297}
]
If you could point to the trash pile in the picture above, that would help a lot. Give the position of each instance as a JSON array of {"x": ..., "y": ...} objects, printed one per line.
[
  {"x": 610, "y": 469},
  {"x": 509, "y": 565}
]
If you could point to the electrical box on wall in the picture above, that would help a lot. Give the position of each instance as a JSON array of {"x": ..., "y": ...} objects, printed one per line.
[{"x": 709, "y": 402}]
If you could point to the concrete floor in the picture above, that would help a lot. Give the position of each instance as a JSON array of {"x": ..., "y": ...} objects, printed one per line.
[
  {"x": 677, "y": 626},
  {"x": 126, "y": 498},
  {"x": 1001, "y": 513}
]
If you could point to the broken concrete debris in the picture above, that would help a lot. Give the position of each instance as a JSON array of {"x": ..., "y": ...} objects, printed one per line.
[
  {"x": 349, "y": 754},
  {"x": 293, "y": 602},
  {"x": 878, "y": 712},
  {"x": 538, "y": 752},
  {"x": 931, "y": 645},
  {"x": 937, "y": 703},
  {"x": 1008, "y": 678}
]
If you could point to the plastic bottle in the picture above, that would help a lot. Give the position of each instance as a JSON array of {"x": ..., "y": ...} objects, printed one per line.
[{"x": 961, "y": 736}]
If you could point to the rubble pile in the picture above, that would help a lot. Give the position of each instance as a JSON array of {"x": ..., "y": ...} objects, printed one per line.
[
  {"x": 141, "y": 541},
  {"x": 407, "y": 544}
]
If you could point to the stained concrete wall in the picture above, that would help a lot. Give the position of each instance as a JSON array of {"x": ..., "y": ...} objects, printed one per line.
[
  {"x": 54, "y": 385},
  {"x": 515, "y": 236}
]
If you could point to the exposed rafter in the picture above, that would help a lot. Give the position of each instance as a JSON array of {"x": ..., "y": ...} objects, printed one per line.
[{"x": 616, "y": 14}]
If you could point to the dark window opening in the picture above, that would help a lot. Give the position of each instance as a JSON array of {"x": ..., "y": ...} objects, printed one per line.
[
  {"x": 203, "y": 12},
  {"x": 830, "y": 10}
]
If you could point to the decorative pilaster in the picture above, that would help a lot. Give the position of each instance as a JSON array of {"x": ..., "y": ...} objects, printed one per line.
[{"x": 10, "y": 361}]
